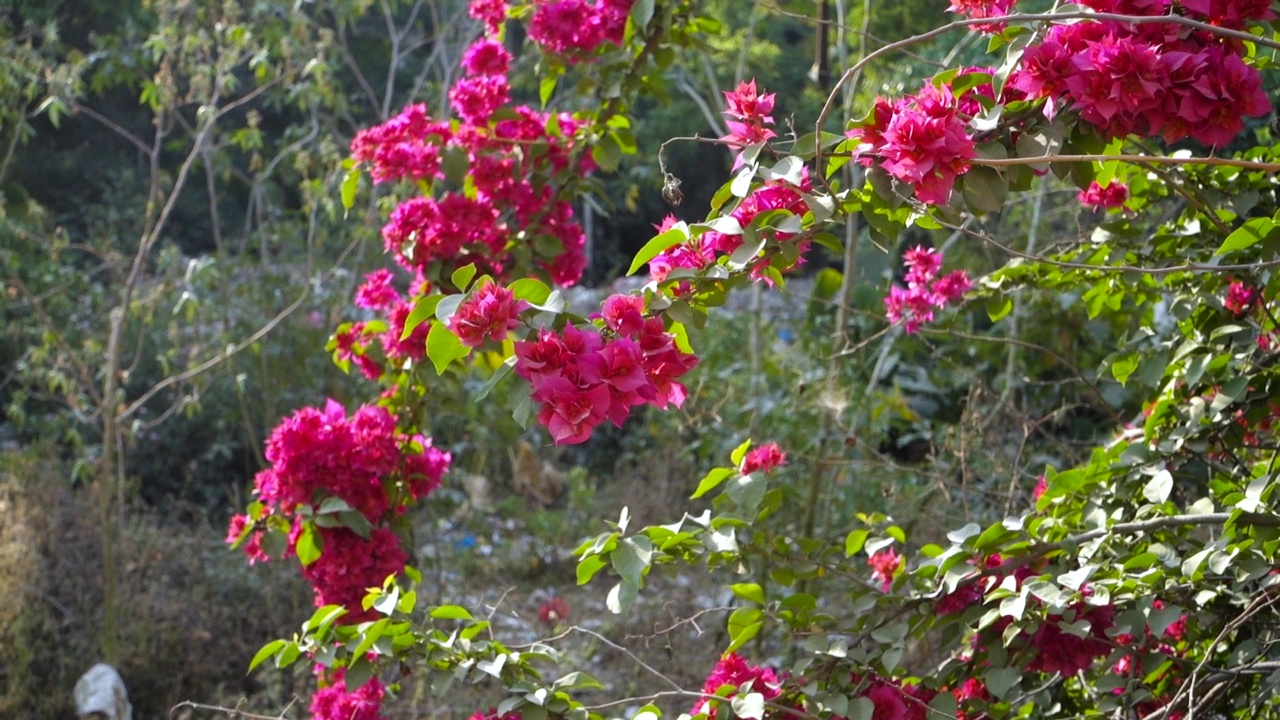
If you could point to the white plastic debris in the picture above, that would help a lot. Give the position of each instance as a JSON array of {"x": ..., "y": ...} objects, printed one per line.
[{"x": 101, "y": 693}]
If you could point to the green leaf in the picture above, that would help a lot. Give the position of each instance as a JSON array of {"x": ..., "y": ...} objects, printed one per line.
[
  {"x": 861, "y": 708},
  {"x": 621, "y": 598},
  {"x": 503, "y": 370},
  {"x": 267, "y": 651},
  {"x": 998, "y": 306},
  {"x": 711, "y": 481},
  {"x": 421, "y": 312},
  {"x": 461, "y": 277},
  {"x": 531, "y": 290},
  {"x": 631, "y": 558},
  {"x": 450, "y": 612},
  {"x": 454, "y": 163},
  {"x": 853, "y": 544},
  {"x": 1157, "y": 489},
  {"x": 607, "y": 153},
  {"x": 676, "y": 235},
  {"x": 750, "y": 592},
  {"x": 309, "y": 545},
  {"x": 985, "y": 190},
  {"x": 588, "y": 567},
  {"x": 1251, "y": 233},
  {"x": 323, "y": 617},
  {"x": 547, "y": 87},
  {"x": 739, "y": 453},
  {"x": 642, "y": 13},
  {"x": 578, "y": 681},
  {"x": 744, "y": 624},
  {"x": 358, "y": 674},
  {"x": 1000, "y": 680},
  {"x": 350, "y": 184},
  {"x": 443, "y": 347},
  {"x": 356, "y": 522},
  {"x": 1122, "y": 368}
]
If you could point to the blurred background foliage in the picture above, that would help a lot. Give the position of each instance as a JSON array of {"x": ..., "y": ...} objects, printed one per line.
[{"x": 100, "y": 109}]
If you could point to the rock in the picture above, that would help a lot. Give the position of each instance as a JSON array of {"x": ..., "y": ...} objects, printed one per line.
[{"x": 100, "y": 693}]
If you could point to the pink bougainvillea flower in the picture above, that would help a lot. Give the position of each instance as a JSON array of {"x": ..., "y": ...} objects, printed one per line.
[
  {"x": 1042, "y": 485},
  {"x": 490, "y": 12},
  {"x": 486, "y": 56},
  {"x": 914, "y": 305},
  {"x": 982, "y": 9},
  {"x": 349, "y": 565},
  {"x": 1098, "y": 197},
  {"x": 566, "y": 26},
  {"x": 489, "y": 313},
  {"x": 763, "y": 458},
  {"x": 734, "y": 670},
  {"x": 476, "y": 98},
  {"x": 624, "y": 314},
  {"x": 884, "y": 567},
  {"x": 377, "y": 292},
  {"x": 335, "y": 701},
  {"x": 921, "y": 140},
  {"x": 1240, "y": 298}
]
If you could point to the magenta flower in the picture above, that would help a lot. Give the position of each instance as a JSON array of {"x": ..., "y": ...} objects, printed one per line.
[
  {"x": 490, "y": 312},
  {"x": 1240, "y": 298},
  {"x": 884, "y": 567},
  {"x": 624, "y": 314},
  {"x": 763, "y": 458},
  {"x": 732, "y": 669},
  {"x": 486, "y": 56},
  {"x": 377, "y": 292},
  {"x": 1098, "y": 197},
  {"x": 981, "y": 9}
]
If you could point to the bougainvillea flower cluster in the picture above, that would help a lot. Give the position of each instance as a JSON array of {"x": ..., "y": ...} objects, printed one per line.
[
  {"x": 507, "y": 195},
  {"x": 925, "y": 292},
  {"x": 734, "y": 670},
  {"x": 489, "y": 313},
  {"x": 581, "y": 377},
  {"x": 1148, "y": 79},
  {"x": 885, "y": 565},
  {"x": 362, "y": 460},
  {"x": 983, "y": 9},
  {"x": 1097, "y": 197},
  {"x": 575, "y": 28},
  {"x": 922, "y": 140},
  {"x": 334, "y": 701},
  {"x": 747, "y": 115},
  {"x": 762, "y": 459}
]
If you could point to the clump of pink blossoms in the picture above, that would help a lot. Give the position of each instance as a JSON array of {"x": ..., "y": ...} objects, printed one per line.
[
  {"x": 762, "y": 459},
  {"x": 734, "y": 670},
  {"x": 581, "y": 377},
  {"x": 747, "y": 116},
  {"x": 982, "y": 9},
  {"x": 1240, "y": 298},
  {"x": 491, "y": 312},
  {"x": 362, "y": 460},
  {"x": 335, "y": 701},
  {"x": 925, "y": 291},
  {"x": 1098, "y": 197},
  {"x": 921, "y": 140},
  {"x": 577, "y": 27},
  {"x": 884, "y": 567},
  {"x": 1149, "y": 79}
]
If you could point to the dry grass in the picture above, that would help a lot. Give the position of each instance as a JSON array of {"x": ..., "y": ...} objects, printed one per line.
[{"x": 191, "y": 613}]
